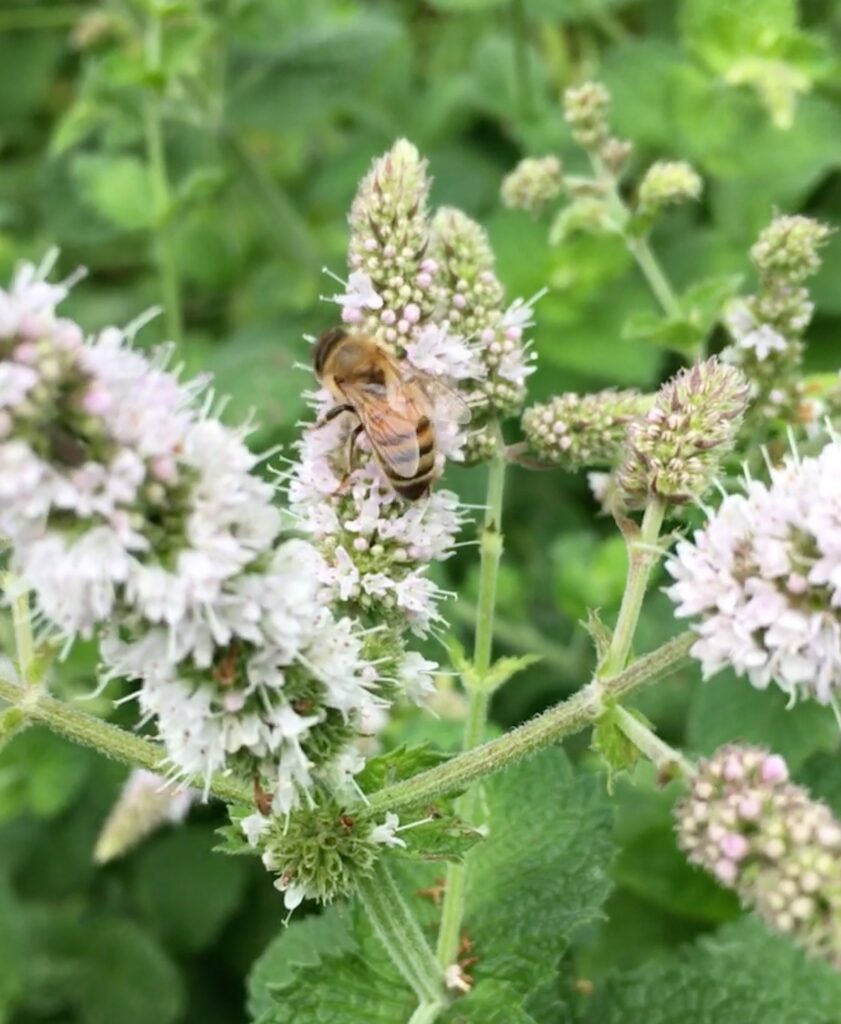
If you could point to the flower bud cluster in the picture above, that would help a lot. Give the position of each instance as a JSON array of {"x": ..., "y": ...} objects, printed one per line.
[
  {"x": 147, "y": 802},
  {"x": 764, "y": 837},
  {"x": 471, "y": 299},
  {"x": 764, "y": 578},
  {"x": 767, "y": 327},
  {"x": 675, "y": 449},
  {"x": 134, "y": 515},
  {"x": 667, "y": 183},
  {"x": 575, "y": 431},
  {"x": 586, "y": 112},
  {"x": 319, "y": 852},
  {"x": 533, "y": 184}
]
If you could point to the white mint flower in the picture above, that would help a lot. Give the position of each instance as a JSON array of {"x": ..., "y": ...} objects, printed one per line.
[
  {"x": 439, "y": 352},
  {"x": 764, "y": 577},
  {"x": 387, "y": 832},
  {"x": 147, "y": 802}
]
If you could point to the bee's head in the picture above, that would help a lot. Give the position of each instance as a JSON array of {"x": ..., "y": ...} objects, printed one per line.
[{"x": 327, "y": 342}]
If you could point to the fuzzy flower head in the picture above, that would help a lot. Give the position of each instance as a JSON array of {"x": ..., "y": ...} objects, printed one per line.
[
  {"x": 764, "y": 579},
  {"x": 667, "y": 183},
  {"x": 135, "y": 516},
  {"x": 585, "y": 109},
  {"x": 583, "y": 430},
  {"x": 472, "y": 298},
  {"x": 319, "y": 852},
  {"x": 533, "y": 184},
  {"x": 674, "y": 450},
  {"x": 392, "y": 287},
  {"x": 764, "y": 837},
  {"x": 767, "y": 327}
]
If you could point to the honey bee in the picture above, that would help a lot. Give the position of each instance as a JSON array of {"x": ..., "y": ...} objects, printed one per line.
[{"x": 393, "y": 403}]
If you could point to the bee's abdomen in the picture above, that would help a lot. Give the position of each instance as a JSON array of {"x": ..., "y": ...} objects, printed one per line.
[{"x": 418, "y": 485}]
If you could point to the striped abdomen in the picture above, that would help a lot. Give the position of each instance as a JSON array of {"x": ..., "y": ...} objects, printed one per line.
[{"x": 416, "y": 486}]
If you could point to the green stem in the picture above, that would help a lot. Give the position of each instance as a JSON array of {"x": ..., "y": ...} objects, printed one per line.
[
  {"x": 661, "y": 755},
  {"x": 655, "y": 275},
  {"x": 289, "y": 230},
  {"x": 426, "y": 1013},
  {"x": 522, "y": 76},
  {"x": 642, "y": 554},
  {"x": 399, "y": 931},
  {"x": 108, "y": 739},
  {"x": 161, "y": 197},
  {"x": 570, "y": 716},
  {"x": 22, "y": 626},
  {"x": 468, "y": 806}
]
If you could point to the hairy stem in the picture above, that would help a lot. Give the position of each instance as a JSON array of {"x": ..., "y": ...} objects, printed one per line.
[
  {"x": 649, "y": 744},
  {"x": 108, "y": 739},
  {"x": 654, "y": 275},
  {"x": 469, "y": 805},
  {"x": 400, "y": 933},
  {"x": 570, "y": 716},
  {"x": 27, "y": 659},
  {"x": 426, "y": 1013},
  {"x": 161, "y": 197},
  {"x": 642, "y": 554}
]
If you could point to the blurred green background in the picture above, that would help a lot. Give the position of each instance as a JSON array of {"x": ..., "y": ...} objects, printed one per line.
[{"x": 269, "y": 112}]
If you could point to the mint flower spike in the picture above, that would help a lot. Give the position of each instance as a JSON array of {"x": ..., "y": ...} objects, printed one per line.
[
  {"x": 533, "y": 184},
  {"x": 391, "y": 291},
  {"x": 764, "y": 837},
  {"x": 136, "y": 517},
  {"x": 471, "y": 301},
  {"x": 320, "y": 852},
  {"x": 146, "y": 803},
  {"x": 763, "y": 579},
  {"x": 667, "y": 183},
  {"x": 575, "y": 431},
  {"x": 673, "y": 451},
  {"x": 767, "y": 328},
  {"x": 585, "y": 111}
]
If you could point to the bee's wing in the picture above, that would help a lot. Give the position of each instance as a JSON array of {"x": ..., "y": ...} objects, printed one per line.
[
  {"x": 390, "y": 419},
  {"x": 446, "y": 403}
]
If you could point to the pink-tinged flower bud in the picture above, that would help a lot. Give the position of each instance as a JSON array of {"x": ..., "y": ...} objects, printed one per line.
[
  {"x": 781, "y": 858},
  {"x": 96, "y": 401}
]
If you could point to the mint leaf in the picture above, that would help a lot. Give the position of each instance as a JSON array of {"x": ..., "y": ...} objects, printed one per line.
[
  {"x": 445, "y": 838},
  {"x": 727, "y": 709},
  {"x": 183, "y": 890},
  {"x": 302, "y": 945},
  {"x": 741, "y": 974},
  {"x": 504, "y": 669},
  {"x": 400, "y": 763},
  {"x": 489, "y": 1003},
  {"x": 118, "y": 188},
  {"x": 543, "y": 871},
  {"x": 617, "y": 752}
]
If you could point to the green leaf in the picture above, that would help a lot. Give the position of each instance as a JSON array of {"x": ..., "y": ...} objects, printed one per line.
[
  {"x": 504, "y": 669},
  {"x": 41, "y": 773},
  {"x": 397, "y": 764},
  {"x": 461, "y": 662},
  {"x": 303, "y": 944},
  {"x": 720, "y": 30},
  {"x": 104, "y": 968},
  {"x": 543, "y": 871},
  {"x": 727, "y": 709},
  {"x": 183, "y": 890},
  {"x": 489, "y": 1003},
  {"x": 652, "y": 867},
  {"x": 617, "y": 752},
  {"x": 741, "y": 974},
  {"x": 119, "y": 188},
  {"x": 445, "y": 838}
]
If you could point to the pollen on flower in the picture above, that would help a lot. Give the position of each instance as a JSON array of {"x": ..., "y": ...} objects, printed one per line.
[{"x": 763, "y": 578}]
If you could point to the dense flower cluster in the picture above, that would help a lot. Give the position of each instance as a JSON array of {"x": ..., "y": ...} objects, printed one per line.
[
  {"x": 667, "y": 183},
  {"x": 767, "y": 327},
  {"x": 586, "y": 110},
  {"x": 146, "y": 803},
  {"x": 132, "y": 512},
  {"x": 583, "y": 430},
  {"x": 674, "y": 450},
  {"x": 319, "y": 852},
  {"x": 764, "y": 577},
  {"x": 471, "y": 299},
  {"x": 533, "y": 183},
  {"x": 766, "y": 838}
]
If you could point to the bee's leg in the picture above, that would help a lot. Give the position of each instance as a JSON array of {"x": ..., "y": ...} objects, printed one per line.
[
  {"x": 350, "y": 452},
  {"x": 331, "y": 414}
]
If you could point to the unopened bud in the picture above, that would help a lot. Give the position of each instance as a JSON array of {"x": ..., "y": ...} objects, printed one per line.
[
  {"x": 533, "y": 183},
  {"x": 675, "y": 449},
  {"x": 666, "y": 183},
  {"x": 585, "y": 110},
  {"x": 789, "y": 248}
]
